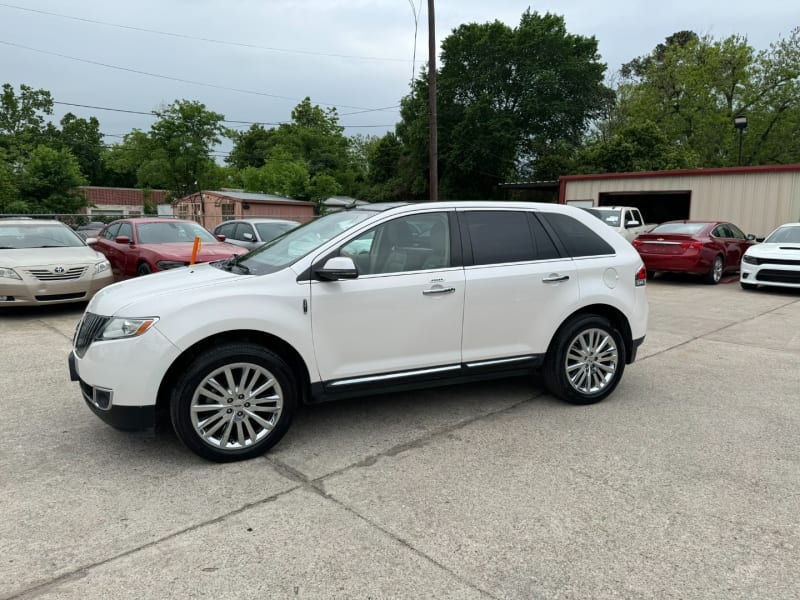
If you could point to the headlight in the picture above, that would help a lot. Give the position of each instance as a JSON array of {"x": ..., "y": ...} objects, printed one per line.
[
  {"x": 170, "y": 264},
  {"x": 10, "y": 273},
  {"x": 120, "y": 328},
  {"x": 750, "y": 260},
  {"x": 101, "y": 267}
]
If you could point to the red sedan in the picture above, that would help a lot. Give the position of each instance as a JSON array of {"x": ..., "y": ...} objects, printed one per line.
[
  {"x": 141, "y": 246},
  {"x": 707, "y": 248}
]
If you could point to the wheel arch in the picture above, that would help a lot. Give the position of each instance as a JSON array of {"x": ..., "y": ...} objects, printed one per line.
[
  {"x": 613, "y": 314},
  {"x": 285, "y": 350}
]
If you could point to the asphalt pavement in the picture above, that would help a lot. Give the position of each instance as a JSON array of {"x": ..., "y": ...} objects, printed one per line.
[{"x": 685, "y": 483}]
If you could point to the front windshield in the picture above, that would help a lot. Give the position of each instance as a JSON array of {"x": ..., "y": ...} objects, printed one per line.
[
  {"x": 164, "y": 232},
  {"x": 784, "y": 235},
  {"x": 299, "y": 242},
  {"x": 44, "y": 235}
]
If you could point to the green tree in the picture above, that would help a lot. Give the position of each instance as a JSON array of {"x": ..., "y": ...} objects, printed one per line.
[
  {"x": 691, "y": 87},
  {"x": 281, "y": 175},
  {"x": 636, "y": 147},
  {"x": 250, "y": 148},
  {"x": 180, "y": 144},
  {"x": 82, "y": 137},
  {"x": 506, "y": 97},
  {"x": 48, "y": 182},
  {"x": 23, "y": 120}
]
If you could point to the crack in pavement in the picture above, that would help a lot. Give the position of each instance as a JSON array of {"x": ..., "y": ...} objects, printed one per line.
[
  {"x": 303, "y": 482},
  {"x": 81, "y": 572},
  {"x": 717, "y": 330}
]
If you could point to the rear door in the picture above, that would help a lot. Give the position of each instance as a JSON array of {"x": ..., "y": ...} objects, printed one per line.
[{"x": 518, "y": 286}]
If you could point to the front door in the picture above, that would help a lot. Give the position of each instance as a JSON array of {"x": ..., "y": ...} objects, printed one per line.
[{"x": 401, "y": 318}]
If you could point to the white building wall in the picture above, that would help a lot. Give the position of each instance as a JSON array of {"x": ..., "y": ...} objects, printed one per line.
[{"x": 756, "y": 202}]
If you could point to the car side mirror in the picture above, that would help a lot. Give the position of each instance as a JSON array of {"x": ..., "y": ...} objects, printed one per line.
[
  {"x": 759, "y": 239},
  {"x": 632, "y": 224},
  {"x": 338, "y": 267},
  {"x": 750, "y": 237},
  {"x": 221, "y": 237},
  {"x": 91, "y": 240},
  {"x": 248, "y": 236},
  {"x": 122, "y": 239}
]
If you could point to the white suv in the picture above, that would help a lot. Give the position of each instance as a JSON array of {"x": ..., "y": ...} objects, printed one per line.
[{"x": 380, "y": 298}]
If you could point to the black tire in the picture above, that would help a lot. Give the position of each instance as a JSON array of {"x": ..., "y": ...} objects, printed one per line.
[
  {"x": 233, "y": 433},
  {"x": 143, "y": 269},
  {"x": 556, "y": 372},
  {"x": 714, "y": 274},
  {"x": 748, "y": 286}
]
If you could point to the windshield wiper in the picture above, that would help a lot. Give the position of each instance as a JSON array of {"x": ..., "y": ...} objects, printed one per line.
[{"x": 232, "y": 262}]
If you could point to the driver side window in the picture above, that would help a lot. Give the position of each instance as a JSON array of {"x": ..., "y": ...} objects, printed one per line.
[{"x": 412, "y": 243}]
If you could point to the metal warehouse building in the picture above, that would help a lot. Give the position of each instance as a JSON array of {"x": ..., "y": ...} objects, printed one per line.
[{"x": 757, "y": 199}]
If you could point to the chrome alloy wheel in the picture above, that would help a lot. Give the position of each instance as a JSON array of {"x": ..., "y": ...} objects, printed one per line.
[
  {"x": 717, "y": 269},
  {"x": 592, "y": 360},
  {"x": 236, "y": 406}
]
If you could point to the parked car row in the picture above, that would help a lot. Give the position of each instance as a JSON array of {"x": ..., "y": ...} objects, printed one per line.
[
  {"x": 46, "y": 262},
  {"x": 709, "y": 248}
]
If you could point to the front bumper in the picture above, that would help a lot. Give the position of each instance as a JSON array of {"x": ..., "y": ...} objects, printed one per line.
[
  {"x": 30, "y": 291},
  {"x": 787, "y": 276},
  {"x": 125, "y": 418}
]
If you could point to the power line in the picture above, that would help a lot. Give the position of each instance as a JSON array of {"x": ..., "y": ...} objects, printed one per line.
[
  {"x": 180, "y": 80},
  {"x": 152, "y": 114},
  {"x": 202, "y": 39}
]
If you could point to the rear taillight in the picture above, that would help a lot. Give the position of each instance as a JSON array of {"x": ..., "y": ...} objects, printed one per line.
[
  {"x": 641, "y": 277},
  {"x": 692, "y": 245},
  {"x": 636, "y": 243}
]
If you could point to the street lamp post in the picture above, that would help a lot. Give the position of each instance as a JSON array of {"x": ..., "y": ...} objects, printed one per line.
[{"x": 740, "y": 123}]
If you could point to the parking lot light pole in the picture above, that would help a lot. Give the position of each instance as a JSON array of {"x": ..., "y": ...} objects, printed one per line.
[{"x": 740, "y": 123}]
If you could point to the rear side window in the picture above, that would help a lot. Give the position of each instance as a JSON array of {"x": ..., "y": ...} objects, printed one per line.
[
  {"x": 577, "y": 238},
  {"x": 507, "y": 236}
]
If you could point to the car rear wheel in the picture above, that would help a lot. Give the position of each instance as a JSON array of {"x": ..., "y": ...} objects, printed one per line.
[
  {"x": 715, "y": 272},
  {"x": 143, "y": 269},
  {"x": 585, "y": 361},
  {"x": 233, "y": 402}
]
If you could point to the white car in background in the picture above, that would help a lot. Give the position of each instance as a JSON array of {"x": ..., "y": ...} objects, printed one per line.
[
  {"x": 252, "y": 233},
  {"x": 359, "y": 302},
  {"x": 775, "y": 262},
  {"x": 46, "y": 262}
]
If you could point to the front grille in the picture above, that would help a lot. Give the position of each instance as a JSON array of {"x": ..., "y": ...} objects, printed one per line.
[
  {"x": 775, "y": 276},
  {"x": 52, "y": 275},
  {"x": 776, "y": 261},
  {"x": 73, "y": 296},
  {"x": 90, "y": 327}
]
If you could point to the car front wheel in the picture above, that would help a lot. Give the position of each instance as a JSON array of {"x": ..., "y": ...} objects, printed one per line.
[
  {"x": 585, "y": 361},
  {"x": 233, "y": 402}
]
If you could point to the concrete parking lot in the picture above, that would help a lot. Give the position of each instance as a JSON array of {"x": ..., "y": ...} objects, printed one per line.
[{"x": 685, "y": 483}]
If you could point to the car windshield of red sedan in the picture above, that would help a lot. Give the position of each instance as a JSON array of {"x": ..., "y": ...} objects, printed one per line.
[
  {"x": 165, "y": 232},
  {"x": 14, "y": 237},
  {"x": 686, "y": 228},
  {"x": 784, "y": 235}
]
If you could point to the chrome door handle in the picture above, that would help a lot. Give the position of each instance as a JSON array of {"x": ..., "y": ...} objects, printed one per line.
[
  {"x": 449, "y": 290},
  {"x": 554, "y": 278}
]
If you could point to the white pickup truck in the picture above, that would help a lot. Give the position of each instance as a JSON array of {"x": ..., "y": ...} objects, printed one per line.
[{"x": 625, "y": 220}]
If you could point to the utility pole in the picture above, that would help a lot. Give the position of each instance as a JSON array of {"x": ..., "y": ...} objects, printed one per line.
[{"x": 433, "y": 152}]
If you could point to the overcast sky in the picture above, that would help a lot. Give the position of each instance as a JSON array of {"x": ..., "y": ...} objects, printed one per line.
[{"x": 355, "y": 55}]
